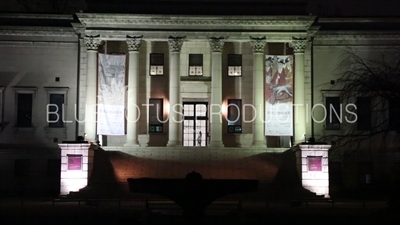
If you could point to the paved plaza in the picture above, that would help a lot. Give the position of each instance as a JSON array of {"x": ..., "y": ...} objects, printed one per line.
[{"x": 35, "y": 211}]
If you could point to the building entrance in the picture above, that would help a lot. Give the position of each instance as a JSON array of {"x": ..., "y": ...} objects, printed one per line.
[{"x": 195, "y": 124}]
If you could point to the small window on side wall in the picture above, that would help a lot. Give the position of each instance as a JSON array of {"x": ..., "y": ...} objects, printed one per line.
[
  {"x": 156, "y": 64},
  {"x": 22, "y": 168},
  {"x": 56, "y": 110},
  {"x": 234, "y": 65},
  {"x": 365, "y": 170},
  {"x": 364, "y": 113},
  {"x": 195, "y": 64},
  {"x": 156, "y": 115},
  {"x": 25, "y": 97},
  {"x": 56, "y": 106},
  {"x": 333, "y": 113},
  {"x": 234, "y": 115},
  {"x": 394, "y": 111}
]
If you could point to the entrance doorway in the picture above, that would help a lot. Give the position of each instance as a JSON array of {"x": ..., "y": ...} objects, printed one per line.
[{"x": 195, "y": 124}]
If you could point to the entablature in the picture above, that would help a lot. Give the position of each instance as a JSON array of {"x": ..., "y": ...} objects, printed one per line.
[
  {"x": 36, "y": 31},
  {"x": 192, "y": 35},
  {"x": 196, "y": 23}
]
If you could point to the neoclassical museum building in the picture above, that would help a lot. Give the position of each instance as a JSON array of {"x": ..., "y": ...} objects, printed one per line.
[{"x": 161, "y": 95}]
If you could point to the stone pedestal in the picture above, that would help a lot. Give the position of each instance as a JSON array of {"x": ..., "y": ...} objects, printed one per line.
[
  {"x": 315, "y": 168},
  {"x": 76, "y": 166},
  {"x": 143, "y": 140}
]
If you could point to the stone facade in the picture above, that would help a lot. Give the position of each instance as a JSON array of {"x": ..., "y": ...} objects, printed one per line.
[{"x": 47, "y": 59}]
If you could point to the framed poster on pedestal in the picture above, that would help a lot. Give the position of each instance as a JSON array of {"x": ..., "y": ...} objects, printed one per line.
[
  {"x": 314, "y": 163},
  {"x": 74, "y": 162}
]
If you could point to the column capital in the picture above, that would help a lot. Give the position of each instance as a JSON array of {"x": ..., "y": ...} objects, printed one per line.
[
  {"x": 216, "y": 43},
  {"x": 175, "y": 43},
  {"x": 299, "y": 44},
  {"x": 133, "y": 42},
  {"x": 258, "y": 44},
  {"x": 92, "y": 42}
]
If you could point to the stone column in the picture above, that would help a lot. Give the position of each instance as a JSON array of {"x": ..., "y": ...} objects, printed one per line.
[
  {"x": 299, "y": 46},
  {"x": 92, "y": 44},
  {"x": 133, "y": 90},
  {"x": 217, "y": 44},
  {"x": 258, "y": 45},
  {"x": 174, "y": 120}
]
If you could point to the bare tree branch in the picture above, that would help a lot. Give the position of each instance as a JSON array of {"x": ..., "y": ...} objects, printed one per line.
[{"x": 377, "y": 78}]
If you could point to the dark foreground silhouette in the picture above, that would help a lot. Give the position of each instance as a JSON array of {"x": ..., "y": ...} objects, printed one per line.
[{"x": 193, "y": 194}]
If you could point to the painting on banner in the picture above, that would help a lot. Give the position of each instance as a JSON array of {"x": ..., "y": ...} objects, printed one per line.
[
  {"x": 279, "y": 95},
  {"x": 111, "y": 95}
]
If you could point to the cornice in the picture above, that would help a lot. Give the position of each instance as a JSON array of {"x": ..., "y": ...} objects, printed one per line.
[
  {"x": 160, "y": 20},
  {"x": 358, "y": 20},
  {"x": 119, "y": 35},
  {"x": 36, "y": 16},
  {"x": 37, "y": 31},
  {"x": 357, "y": 35}
]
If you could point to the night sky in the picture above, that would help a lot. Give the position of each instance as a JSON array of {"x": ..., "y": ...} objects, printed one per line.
[{"x": 331, "y": 8}]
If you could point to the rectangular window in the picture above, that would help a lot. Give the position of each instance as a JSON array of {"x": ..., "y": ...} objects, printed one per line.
[
  {"x": 53, "y": 167},
  {"x": 22, "y": 168},
  {"x": 363, "y": 113},
  {"x": 156, "y": 64},
  {"x": 365, "y": 172},
  {"x": 156, "y": 115},
  {"x": 1, "y": 108},
  {"x": 234, "y": 65},
  {"x": 56, "y": 110},
  {"x": 24, "y": 109},
  {"x": 335, "y": 173},
  {"x": 234, "y": 115},
  {"x": 195, "y": 64},
  {"x": 333, "y": 113},
  {"x": 394, "y": 112}
]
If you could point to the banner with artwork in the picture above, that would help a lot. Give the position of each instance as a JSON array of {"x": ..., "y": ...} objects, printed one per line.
[
  {"x": 279, "y": 95},
  {"x": 111, "y": 95}
]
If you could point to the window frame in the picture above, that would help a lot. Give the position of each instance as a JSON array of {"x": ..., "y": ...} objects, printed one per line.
[
  {"x": 157, "y": 65},
  {"x": 191, "y": 64},
  {"x": 234, "y": 128},
  {"x": 57, "y": 90},
  {"x": 394, "y": 124},
  {"x": 363, "y": 125},
  {"x": 1, "y": 106},
  {"x": 330, "y": 125},
  {"x": 229, "y": 65},
  {"x": 364, "y": 169},
  {"x": 158, "y": 127},
  {"x": 25, "y": 170},
  {"x": 24, "y": 90}
]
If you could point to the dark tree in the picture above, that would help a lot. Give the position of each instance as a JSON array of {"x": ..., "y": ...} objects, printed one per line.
[{"x": 372, "y": 84}]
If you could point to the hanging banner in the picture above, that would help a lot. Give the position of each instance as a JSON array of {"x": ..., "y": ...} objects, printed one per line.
[
  {"x": 279, "y": 95},
  {"x": 111, "y": 95}
]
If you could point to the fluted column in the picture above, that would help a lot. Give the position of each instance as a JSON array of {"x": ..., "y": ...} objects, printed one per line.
[
  {"x": 299, "y": 46},
  {"x": 258, "y": 45},
  {"x": 217, "y": 44},
  {"x": 133, "y": 90},
  {"x": 175, "y": 120},
  {"x": 92, "y": 45}
]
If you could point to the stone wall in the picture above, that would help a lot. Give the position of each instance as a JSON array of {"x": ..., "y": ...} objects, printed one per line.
[{"x": 37, "y": 67}]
